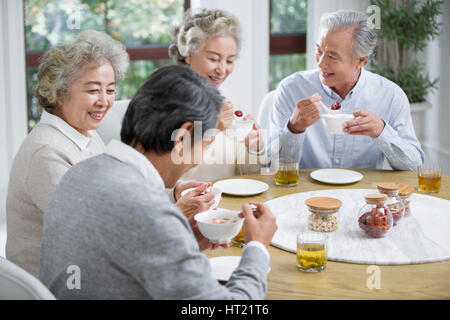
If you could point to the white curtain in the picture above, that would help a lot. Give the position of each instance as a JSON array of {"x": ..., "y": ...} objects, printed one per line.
[{"x": 13, "y": 95}]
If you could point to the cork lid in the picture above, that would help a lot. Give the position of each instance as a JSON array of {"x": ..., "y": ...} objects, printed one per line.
[
  {"x": 374, "y": 198},
  {"x": 387, "y": 186},
  {"x": 323, "y": 203},
  {"x": 404, "y": 189}
]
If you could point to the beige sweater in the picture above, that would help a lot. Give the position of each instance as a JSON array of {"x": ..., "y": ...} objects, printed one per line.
[{"x": 50, "y": 149}]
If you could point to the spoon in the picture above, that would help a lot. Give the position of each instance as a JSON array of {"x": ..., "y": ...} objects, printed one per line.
[
  {"x": 240, "y": 215},
  {"x": 328, "y": 110}
]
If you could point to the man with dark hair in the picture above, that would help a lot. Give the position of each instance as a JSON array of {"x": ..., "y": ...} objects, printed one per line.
[{"x": 111, "y": 222}]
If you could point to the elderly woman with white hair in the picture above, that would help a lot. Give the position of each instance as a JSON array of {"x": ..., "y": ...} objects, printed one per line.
[
  {"x": 382, "y": 126},
  {"x": 209, "y": 42},
  {"x": 76, "y": 88}
]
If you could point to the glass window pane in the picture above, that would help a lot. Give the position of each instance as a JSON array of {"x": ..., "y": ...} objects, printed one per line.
[
  {"x": 283, "y": 65},
  {"x": 143, "y": 22},
  {"x": 288, "y": 16},
  {"x": 137, "y": 74},
  {"x": 48, "y": 22}
]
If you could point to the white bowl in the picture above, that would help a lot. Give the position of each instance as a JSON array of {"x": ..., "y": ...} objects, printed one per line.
[
  {"x": 240, "y": 128},
  {"x": 218, "y": 233},
  {"x": 334, "y": 121},
  {"x": 217, "y": 195}
]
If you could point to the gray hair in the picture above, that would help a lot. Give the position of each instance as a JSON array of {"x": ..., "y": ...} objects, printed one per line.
[
  {"x": 364, "y": 36},
  {"x": 197, "y": 27},
  {"x": 171, "y": 96},
  {"x": 62, "y": 64}
]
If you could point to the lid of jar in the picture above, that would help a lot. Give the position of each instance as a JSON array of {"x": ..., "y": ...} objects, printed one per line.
[
  {"x": 323, "y": 203},
  {"x": 374, "y": 198},
  {"x": 387, "y": 186},
  {"x": 404, "y": 189}
]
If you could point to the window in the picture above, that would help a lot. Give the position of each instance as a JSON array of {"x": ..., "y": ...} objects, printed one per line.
[
  {"x": 144, "y": 26},
  {"x": 288, "y": 20}
]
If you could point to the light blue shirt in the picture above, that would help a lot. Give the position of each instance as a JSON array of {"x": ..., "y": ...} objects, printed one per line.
[{"x": 319, "y": 148}]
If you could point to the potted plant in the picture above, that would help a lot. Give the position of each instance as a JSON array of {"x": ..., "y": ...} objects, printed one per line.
[{"x": 406, "y": 28}]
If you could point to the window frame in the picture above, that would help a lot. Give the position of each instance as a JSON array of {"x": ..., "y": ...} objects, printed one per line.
[
  {"x": 285, "y": 43},
  {"x": 145, "y": 52}
]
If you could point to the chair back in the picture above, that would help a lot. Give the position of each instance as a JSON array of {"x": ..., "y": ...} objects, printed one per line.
[
  {"x": 264, "y": 110},
  {"x": 17, "y": 284},
  {"x": 112, "y": 122}
]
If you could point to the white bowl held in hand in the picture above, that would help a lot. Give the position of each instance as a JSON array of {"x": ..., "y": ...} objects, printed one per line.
[
  {"x": 334, "y": 121},
  {"x": 220, "y": 225}
]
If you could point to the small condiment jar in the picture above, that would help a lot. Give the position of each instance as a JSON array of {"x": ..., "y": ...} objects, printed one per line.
[
  {"x": 322, "y": 217},
  {"x": 375, "y": 217},
  {"x": 393, "y": 201},
  {"x": 405, "y": 191}
]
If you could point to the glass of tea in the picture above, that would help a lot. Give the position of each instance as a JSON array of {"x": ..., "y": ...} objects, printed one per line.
[
  {"x": 239, "y": 240},
  {"x": 286, "y": 173},
  {"x": 311, "y": 251},
  {"x": 286, "y": 161},
  {"x": 429, "y": 176}
]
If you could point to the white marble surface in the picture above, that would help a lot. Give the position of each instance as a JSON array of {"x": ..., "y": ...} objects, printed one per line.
[{"x": 422, "y": 237}]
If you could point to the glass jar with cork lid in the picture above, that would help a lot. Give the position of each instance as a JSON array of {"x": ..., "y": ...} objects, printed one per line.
[
  {"x": 323, "y": 210},
  {"x": 405, "y": 191},
  {"x": 393, "y": 201},
  {"x": 374, "y": 217}
]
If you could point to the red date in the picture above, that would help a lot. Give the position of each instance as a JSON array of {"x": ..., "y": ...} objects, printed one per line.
[
  {"x": 375, "y": 222},
  {"x": 238, "y": 113},
  {"x": 336, "y": 106}
]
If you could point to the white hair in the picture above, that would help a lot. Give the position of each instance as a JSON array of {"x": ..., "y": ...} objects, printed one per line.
[
  {"x": 364, "y": 37},
  {"x": 199, "y": 26},
  {"x": 62, "y": 64}
]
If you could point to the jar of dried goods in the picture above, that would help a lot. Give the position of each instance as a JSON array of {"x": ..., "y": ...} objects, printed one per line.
[
  {"x": 375, "y": 217},
  {"x": 323, "y": 213},
  {"x": 393, "y": 201},
  {"x": 405, "y": 191}
]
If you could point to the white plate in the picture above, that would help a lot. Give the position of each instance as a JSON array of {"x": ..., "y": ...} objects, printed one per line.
[
  {"x": 223, "y": 267},
  {"x": 336, "y": 176},
  {"x": 241, "y": 187}
]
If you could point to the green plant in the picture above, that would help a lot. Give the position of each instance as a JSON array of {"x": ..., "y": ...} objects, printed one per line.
[{"x": 406, "y": 28}]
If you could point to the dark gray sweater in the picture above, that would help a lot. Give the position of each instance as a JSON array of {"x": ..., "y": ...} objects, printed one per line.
[{"x": 109, "y": 233}]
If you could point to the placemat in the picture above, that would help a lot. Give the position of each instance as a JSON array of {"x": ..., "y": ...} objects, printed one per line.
[{"x": 423, "y": 236}]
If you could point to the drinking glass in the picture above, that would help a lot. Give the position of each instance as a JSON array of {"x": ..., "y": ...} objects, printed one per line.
[
  {"x": 311, "y": 251},
  {"x": 429, "y": 176},
  {"x": 286, "y": 161}
]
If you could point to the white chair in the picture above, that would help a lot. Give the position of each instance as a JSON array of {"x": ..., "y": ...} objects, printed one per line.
[
  {"x": 264, "y": 110},
  {"x": 112, "y": 123},
  {"x": 17, "y": 284}
]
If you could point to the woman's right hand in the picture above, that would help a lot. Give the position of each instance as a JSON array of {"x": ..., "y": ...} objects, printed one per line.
[{"x": 226, "y": 116}]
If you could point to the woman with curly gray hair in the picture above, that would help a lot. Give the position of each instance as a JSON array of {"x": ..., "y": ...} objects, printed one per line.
[
  {"x": 76, "y": 88},
  {"x": 209, "y": 42}
]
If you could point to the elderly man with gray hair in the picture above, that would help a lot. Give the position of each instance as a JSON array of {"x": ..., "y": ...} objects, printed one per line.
[{"x": 382, "y": 126}]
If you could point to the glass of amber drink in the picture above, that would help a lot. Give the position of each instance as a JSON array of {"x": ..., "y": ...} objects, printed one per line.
[
  {"x": 311, "y": 251},
  {"x": 429, "y": 176},
  {"x": 286, "y": 173},
  {"x": 239, "y": 241}
]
